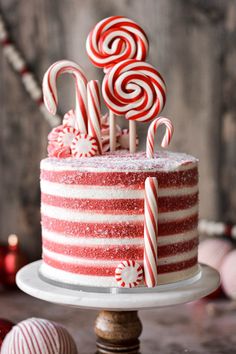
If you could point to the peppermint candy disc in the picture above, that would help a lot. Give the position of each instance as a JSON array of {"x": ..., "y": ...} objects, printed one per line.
[
  {"x": 84, "y": 145},
  {"x": 128, "y": 274},
  {"x": 69, "y": 118},
  {"x": 66, "y": 136}
]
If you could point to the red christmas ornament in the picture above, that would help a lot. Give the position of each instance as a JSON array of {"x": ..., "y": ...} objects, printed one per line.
[
  {"x": 3, "y": 252},
  {"x": 13, "y": 261},
  {"x": 5, "y": 327}
]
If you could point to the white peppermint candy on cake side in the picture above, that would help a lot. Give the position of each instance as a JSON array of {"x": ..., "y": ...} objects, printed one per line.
[{"x": 129, "y": 274}]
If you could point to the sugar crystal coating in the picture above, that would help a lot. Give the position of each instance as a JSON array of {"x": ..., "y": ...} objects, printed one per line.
[{"x": 93, "y": 215}]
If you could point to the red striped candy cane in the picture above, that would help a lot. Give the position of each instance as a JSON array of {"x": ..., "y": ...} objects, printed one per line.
[
  {"x": 151, "y": 135},
  {"x": 94, "y": 112},
  {"x": 50, "y": 90},
  {"x": 150, "y": 232}
]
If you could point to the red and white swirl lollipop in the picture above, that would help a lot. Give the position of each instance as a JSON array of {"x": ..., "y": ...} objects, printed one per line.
[
  {"x": 115, "y": 39},
  {"x": 50, "y": 90},
  {"x": 135, "y": 89}
]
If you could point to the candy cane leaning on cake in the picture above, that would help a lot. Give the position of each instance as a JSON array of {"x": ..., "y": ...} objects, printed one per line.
[
  {"x": 94, "y": 112},
  {"x": 50, "y": 90},
  {"x": 113, "y": 40},
  {"x": 137, "y": 90},
  {"x": 152, "y": 131},
  {"x": 150, "y": 232}
]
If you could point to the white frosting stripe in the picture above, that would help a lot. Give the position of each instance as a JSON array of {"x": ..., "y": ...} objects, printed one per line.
[
  {"x": 93, "y": 241},
  {"x": 80, "y": 279},
  {"x": 108, "y": 192},
  {"x": 78, "y": 216}
]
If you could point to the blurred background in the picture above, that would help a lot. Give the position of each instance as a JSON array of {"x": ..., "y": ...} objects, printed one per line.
[{"x": 193, "y": 45}]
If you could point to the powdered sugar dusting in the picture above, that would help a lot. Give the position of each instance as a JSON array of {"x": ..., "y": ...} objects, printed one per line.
[{"x": 123, "y": 161}]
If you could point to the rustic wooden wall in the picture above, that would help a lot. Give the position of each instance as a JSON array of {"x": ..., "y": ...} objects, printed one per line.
[{"x": 193, "y": 43}]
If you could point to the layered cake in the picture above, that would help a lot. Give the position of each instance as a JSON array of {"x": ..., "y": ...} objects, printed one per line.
[
  {"x": 112, "y": 216},
  {"x": 93, "y": 216}
]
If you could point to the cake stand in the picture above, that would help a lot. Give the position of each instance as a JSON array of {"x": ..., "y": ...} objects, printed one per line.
[{"x": 117, "y": 326}]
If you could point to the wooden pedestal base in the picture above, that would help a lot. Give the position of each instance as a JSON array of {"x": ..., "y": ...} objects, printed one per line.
[{"x": 118, "y": 332}]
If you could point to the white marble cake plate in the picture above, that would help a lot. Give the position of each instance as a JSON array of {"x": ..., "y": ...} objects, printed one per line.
[{"x": 29, "y": 281}]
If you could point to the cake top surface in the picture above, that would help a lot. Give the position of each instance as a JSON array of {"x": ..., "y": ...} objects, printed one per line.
[{"x": 122, "y": 161}]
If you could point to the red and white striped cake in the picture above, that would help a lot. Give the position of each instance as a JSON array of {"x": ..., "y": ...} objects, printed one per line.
[{"x": 93, "y": 216}]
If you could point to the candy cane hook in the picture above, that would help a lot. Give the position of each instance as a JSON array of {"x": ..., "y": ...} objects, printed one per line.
[
  {"x": 50, "y": 90},
  {"x": 152, "y": 131}
]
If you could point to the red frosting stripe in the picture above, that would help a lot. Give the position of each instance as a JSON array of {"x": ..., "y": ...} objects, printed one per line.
[
  {"x": 110, "y": 271},
  {"x": 132, "y": 180},
  {"x": 178, "y": 226},
  {"x": 120, "y": 206},
  {"x": 116, "y": 230},
  {"x": 101, "y": 206},
  {"x": 117, "y": 252}
]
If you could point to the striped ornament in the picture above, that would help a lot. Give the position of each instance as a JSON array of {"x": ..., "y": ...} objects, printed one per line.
[
  {"x": 94, "y": 112},
  {"x": 150, "y": 232},
  {"x": 152, "y": 131},
  {"x": 128, "y": 274},
  {"x": 115, "y": 39},
  {"x": 38, "y": 336},
  {"x": 84, "y": 145},
  {"x": 135, "y": 89},
  {"x": 50, "y": 90}
]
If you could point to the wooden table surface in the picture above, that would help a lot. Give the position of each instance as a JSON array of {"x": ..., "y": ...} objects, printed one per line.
[{"x": 197, "y": 328}]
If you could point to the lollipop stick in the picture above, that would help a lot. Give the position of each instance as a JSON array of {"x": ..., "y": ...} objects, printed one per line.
[
  {"x": 132, "y": 136},
  {"x": 112, "y": 131}
]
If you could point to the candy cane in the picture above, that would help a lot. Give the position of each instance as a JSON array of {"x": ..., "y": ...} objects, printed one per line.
[
  {"x": 94, "y": 112},
  {"x": 151, "y": 134},
  {"x": 150, "y": 232},
  {"x": 113, "y": 40},
  {"x": 50, "y": 90},
  {"x": 137, "y": 90}
]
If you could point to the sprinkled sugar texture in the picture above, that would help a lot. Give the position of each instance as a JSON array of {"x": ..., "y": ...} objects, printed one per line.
[
  {"x": 121, "y": 160},
  {"x": 92, "y": 213}
]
